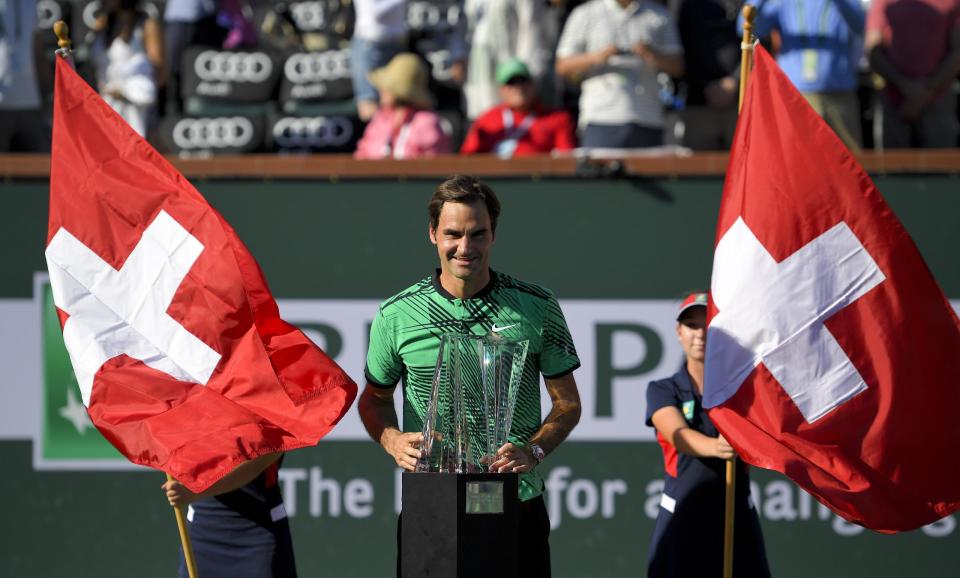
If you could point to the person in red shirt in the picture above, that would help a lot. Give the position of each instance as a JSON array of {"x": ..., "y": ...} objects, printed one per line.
[{"x": 519, "y": 125}]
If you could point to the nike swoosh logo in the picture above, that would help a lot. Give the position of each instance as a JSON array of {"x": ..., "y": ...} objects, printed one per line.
[{"x": 499, "y": 329}]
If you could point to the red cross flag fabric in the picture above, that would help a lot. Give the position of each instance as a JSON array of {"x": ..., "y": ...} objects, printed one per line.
[
  {"x": 832, "y": 352},
  {"x": 182, "y": 359}
]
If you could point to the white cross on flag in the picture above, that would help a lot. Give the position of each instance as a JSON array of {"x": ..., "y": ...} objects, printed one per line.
[
  {"x": 831, "y": 350},
  {"x": 181, "y": 356}
]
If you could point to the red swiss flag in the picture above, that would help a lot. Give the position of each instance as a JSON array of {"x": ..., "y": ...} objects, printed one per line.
[
  {"x": 181, "y": 356},
  {"x": 832, "y": 352}
]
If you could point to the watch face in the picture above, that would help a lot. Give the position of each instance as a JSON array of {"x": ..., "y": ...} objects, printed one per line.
[{"x": 537, "y": 452}]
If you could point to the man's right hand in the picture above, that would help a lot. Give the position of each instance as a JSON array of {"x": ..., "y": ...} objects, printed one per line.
[
  {"x": 602, "y": 56},
  {"x": 404, "y": 447}
]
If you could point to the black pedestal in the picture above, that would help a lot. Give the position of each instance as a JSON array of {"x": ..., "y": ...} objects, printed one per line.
[{"x": 459, "y": 525}]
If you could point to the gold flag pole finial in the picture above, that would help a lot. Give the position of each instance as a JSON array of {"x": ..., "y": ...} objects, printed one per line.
[{"x": 62, "y": 31}]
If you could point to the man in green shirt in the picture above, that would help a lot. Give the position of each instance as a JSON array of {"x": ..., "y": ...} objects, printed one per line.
[{"x": 465, "y": 296}]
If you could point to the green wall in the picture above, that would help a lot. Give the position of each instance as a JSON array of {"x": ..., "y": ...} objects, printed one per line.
[{"x": 585, "y": 239}]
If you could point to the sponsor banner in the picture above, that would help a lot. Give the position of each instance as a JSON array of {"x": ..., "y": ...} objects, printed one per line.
[
  {"x": 315, "y": 17},
  {"x": 434, "y": 17},
  {"x": 328, "y": 134},
  {"x": 212, "y": 135},
  {"x": 317, "y": 76},
  {"x": 622, "y": 345},
  {"x": 584, "y": 483},
  {"x": 233, "y": 76}
]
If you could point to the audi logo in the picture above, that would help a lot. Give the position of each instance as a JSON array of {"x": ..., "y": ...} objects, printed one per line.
[
  {"x": 213, "y": 133},
  {"x": 216, "y": 66},
  {"x": 304, "y": 67},
  {"x": 319, "y": 131},
  {"x": 421, "y": 15},
  {"x": 308, "y": 16},
  {"x": 48, "y": 12},
  {"x": 90, "y": 13}
]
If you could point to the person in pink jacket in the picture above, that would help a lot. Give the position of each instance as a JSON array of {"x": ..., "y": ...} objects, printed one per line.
[{"x": 405, "y": 125}]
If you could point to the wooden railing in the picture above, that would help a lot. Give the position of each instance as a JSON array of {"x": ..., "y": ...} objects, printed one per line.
[{"x": 334, "y": 167}]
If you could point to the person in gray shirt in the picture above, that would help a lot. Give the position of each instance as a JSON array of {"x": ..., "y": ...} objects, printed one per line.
[{"x": 615, "y": 49}]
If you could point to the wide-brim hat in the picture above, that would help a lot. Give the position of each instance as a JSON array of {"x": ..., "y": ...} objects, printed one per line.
[
  {"x": 405, "y": 76},
  {"x": 690, "y": 301}
]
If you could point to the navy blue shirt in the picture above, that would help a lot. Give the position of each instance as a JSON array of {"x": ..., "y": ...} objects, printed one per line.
[{"x": 688, "y": 536}]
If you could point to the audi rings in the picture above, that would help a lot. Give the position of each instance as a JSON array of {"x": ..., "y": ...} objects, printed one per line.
[
  {"x": 213, "y": 133},
  {"x": 48, "y": 12},
  {"x": 308, "y": 16},
  {"x": 313, "y": 132},
  {"x": 305, "y": 67},
  {"x": 217, "y": 66},
  {"x": 427, "y": 16}
]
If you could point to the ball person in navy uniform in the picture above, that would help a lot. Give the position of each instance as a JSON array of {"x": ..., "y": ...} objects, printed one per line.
[
  {"x": 238, "y": 527},
  {"x": 688, "y": 536}
]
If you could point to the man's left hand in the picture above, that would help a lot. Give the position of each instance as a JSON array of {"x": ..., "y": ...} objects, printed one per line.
[{"x": 513, "y": 458}]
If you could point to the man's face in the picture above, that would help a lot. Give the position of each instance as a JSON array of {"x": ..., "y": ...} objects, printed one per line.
[
  {"x": 519, "y": 92},
  {"x": 692, "y": 333},
  {"x": 463, "y": 238}
]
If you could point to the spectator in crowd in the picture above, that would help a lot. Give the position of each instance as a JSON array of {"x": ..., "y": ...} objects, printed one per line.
[
  {"x": 185, "y": 21},
  {"x": 21, "y": 119},
  {"x": 821, "y": 46},
  {"x": 405, "y": 125},
  {"x": 236, "y": 16},
  {"x": 499, "y": 31},
  {"x": 711, "y": 52},
  {"x": 915, "y": 46},
  {"x": 379, "y": 34},
  {"x": 519, "y": 125},
  {"x": 127, "y": 54},
  {"x": 438, "y": 33},
  {"x": 616, "y": 49}
]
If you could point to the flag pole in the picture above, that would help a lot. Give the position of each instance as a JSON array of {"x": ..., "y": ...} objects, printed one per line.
[
  {"x": 65, "y": 51},
  {"x": 746, "y": 64},
  {"x": 185, "y": 539}
]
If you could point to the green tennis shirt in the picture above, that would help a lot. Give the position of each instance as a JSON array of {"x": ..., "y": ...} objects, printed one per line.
[{"x": 405, "y": 341}]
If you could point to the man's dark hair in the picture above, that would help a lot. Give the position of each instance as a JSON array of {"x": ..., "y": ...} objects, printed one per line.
[{"x": 467, "y": 190}]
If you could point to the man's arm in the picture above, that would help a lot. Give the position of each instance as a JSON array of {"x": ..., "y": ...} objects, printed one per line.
[
  {"x": 949, "y": 66},
  {"x": 574, "y": 66},
  {"x": 379, "y": 416},
  {"x": 561, "y": 420},
  {"x": 672, "y": 64},
  {"x": 873, "y": 46},
  {"x": 179, "y": 495}
]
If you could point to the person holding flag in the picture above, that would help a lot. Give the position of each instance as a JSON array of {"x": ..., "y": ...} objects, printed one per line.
[
  {"x": 238, "y": 527},
  {"x": 180, "y": 354},
  {"x": 691, "y": 515}
]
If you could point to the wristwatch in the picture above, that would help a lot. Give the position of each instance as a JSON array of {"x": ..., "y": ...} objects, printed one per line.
[{"x": 537, "y": 452}]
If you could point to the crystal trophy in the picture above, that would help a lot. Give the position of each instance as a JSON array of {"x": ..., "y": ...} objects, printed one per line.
[{"x": 475, "y": 384}]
